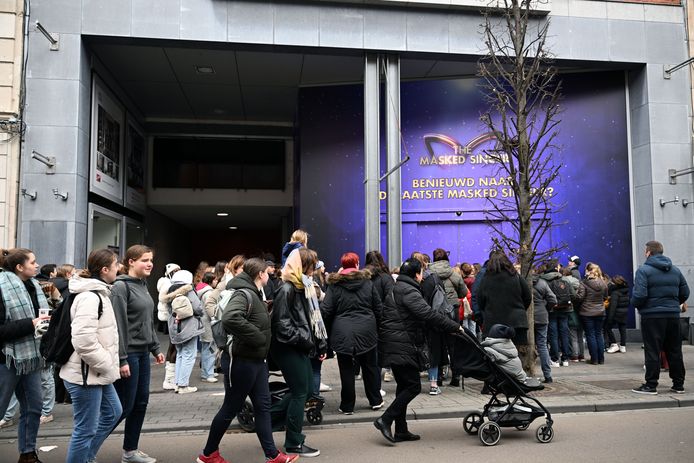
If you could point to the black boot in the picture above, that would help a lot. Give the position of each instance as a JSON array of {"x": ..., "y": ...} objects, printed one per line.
[{"x": 385, "y": 430}]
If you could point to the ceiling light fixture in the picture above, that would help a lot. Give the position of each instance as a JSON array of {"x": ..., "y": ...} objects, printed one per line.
[
  {"x": 222, "y": 214},
  {"x": 233, "y": 228},
  {"x": 204, "y": 69}
]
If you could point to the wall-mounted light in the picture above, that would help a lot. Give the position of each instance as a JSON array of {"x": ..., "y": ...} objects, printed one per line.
[
  {"x": 686, "y": 202},
  {"x": 48, "y": 161},
  {"x": 663, "y": 202},
  {"x": 55, "y": 41},
  {"x": 60, "y": 195},
  {"x": 30, "y": 194}
]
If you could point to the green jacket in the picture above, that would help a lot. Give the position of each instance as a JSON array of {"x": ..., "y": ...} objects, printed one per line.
[{"x": 250, "y": 328}]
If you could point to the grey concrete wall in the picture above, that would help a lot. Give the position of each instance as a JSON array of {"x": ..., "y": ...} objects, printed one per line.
[
  {"x": 57, "y": 117},
  {"x": 594, "y": 32}
]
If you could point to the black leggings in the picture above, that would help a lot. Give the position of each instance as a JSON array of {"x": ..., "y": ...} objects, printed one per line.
[{"x": 248, "y": 378}]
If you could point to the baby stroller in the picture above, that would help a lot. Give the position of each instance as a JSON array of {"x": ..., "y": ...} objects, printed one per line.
[
  {"x": 509, "y": 405},
  {"x": 278, "y": 389}
]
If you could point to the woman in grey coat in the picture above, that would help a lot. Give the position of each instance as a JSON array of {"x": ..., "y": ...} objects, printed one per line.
[{"x": 543, "y": 301}]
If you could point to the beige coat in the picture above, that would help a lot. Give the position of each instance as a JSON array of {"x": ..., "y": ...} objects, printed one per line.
[{"x": 95, "y": 339}]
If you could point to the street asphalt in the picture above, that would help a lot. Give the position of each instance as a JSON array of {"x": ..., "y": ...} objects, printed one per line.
[{"x": 580, "y": 387}]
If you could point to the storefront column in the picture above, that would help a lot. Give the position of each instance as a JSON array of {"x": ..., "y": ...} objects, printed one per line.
[
  {"x": 372, "y": 218},
  {"x": 392, "y": 102}
]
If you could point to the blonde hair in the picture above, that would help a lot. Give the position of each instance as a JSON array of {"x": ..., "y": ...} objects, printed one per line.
[
  {"x": 593, "y": 271},
  {"x": 299, "y": 236},
  {"x": 65, "y": 270},
  {"x": 236, "y": 263}
]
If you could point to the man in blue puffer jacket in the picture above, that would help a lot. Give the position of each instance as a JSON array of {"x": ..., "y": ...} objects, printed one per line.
[{"x": 659, "y": 290}]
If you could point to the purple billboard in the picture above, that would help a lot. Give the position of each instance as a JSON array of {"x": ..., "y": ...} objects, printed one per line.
[{"x": 449, "y": 181}]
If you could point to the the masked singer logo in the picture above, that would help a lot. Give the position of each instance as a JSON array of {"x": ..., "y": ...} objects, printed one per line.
[{"x": 461, "y": 153}]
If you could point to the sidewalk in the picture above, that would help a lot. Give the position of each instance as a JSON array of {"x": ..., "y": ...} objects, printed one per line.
[{"x": 579, "y": 387}]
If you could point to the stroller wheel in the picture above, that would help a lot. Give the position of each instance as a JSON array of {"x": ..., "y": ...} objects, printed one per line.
[
  {"x": 472, "y": 422},
  {"x": 545, "y": 434},
  {"x": 314, "y": 416},
  {"x": 490, "y": 433},
  {"x": 523, "y": 427},
  {"x": 246, "y": 417}
]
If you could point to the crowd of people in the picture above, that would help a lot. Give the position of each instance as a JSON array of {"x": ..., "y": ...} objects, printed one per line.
[{"x": 248, "y": 316}]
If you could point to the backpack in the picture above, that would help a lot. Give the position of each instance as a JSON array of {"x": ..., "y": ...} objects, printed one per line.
[
  {"x": 220, "y": 336},
  {"x": 56, "y": 344},
  {"x": 439, "y": 302},
  {"x": 562, "y": 289}
]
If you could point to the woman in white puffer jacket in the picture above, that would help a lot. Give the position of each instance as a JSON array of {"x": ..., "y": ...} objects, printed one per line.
[{"x": 92, "y": 369}]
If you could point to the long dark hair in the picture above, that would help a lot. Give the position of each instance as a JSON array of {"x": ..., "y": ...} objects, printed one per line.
[
  {"x": 374, "y": 259},
  {"x": 499, "y": 261}
]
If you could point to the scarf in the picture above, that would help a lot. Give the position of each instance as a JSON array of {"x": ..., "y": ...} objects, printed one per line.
[
  {"x": 293, "y": 273},
  {"x": 22, "y": 352}
]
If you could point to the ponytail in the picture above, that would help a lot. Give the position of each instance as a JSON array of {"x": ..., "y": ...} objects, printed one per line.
[
  {"x": 11, "y": 258},
  {"x": 97, "y": 260}
]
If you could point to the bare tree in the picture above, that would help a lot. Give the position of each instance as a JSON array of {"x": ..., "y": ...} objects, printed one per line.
[{"x": 523, "y": 92}]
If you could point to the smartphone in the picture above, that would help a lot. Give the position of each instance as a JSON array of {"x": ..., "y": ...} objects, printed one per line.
[{"x": 44, "y": 312}]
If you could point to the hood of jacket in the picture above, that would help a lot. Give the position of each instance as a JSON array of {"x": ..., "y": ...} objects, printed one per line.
[
  {"x": 127, "y": 278},
  {"x": 501, "y": 345},
  {"x": 660, "y": 262},
  {"x": 550, "y": 276},
  {"x": 78, "y": 284},
  {"x": 350, "y": 281},
  {"x": 176, "y": 290},
  {"x": 442, "y": 268}
]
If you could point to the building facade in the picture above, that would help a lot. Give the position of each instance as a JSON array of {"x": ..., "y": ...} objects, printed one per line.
[{"x": 162, "y": 69}]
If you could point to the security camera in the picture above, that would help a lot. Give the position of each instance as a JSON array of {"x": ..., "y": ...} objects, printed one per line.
[{"x": 458, "y": 213}]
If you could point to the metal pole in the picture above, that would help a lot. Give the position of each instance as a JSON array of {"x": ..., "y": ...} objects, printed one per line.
[
  {"x": 393, "y": 155},
  {"x": 372, "y": 218}
]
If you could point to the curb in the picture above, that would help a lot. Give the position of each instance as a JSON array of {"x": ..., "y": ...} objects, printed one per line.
[{"x": 417, "y": 415}]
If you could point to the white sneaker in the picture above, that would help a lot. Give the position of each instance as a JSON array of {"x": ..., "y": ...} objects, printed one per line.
[
  {"x": 324, "y": 388},
  {"x": 613, "y": 348},
  {"x": 45, "y": 419},
  {"x": 622, "y": 349},
  {"x": 186, "y": 389},
  {"x": 211, "y": 379},
  {"x": 383, "y": 393},
  {"x": 137, "y": 457},
  {"x": 168, "y": 385},
  {"x": 554, "y": 364},
  {"x": 6, "y": 423},
  {"x": 565, "y": 363},
  {"x": 388, "y": 376}
]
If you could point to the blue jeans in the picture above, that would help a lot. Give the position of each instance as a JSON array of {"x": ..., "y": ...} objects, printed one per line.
[
  {"x": 248, "y": 378},
  {"x": 133, "y": 393},
  {"x": 316, "y": 366},
  {"x": 433, "y": 374},
  {"x": 542, "y": 351},
  {"x": 594, "y": 338},
  {"x": 185, "y": 361},
  {"x": 208, "y": 352},
  {"x": 47, "y": 390},
  {"x": 95, "y": 410},
  {"x": 27, "y": 389},
  {"x": 559, "y": 340},
  {"x": 11, "y": 408}
]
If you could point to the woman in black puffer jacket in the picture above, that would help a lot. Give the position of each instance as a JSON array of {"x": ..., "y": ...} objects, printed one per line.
[
  {"x": 618, "y": 290},
  {"x": 352, "y": 308},
  {"x": 406, "y": 317}
]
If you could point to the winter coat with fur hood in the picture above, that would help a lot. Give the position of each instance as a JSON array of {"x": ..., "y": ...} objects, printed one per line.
[
  {"x": 95, "y": 339},
  {"x": 351, "y": 310},
  {"x": 181, "y": 331}
]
